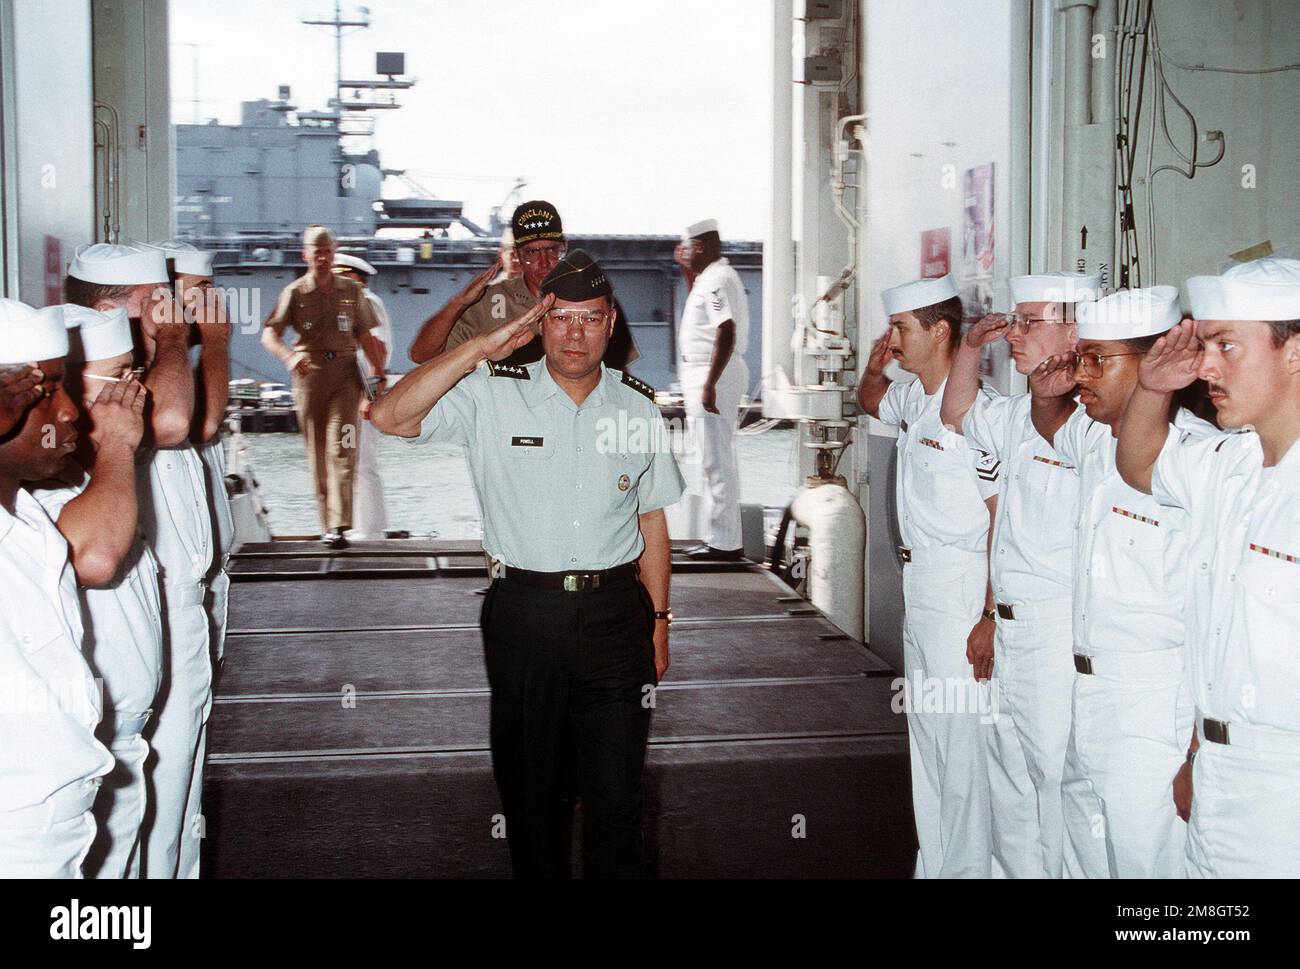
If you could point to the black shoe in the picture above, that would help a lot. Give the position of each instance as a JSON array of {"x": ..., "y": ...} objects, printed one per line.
[
  {"x": 334, "y": 539},
  {"x": 707, "y": 553}
]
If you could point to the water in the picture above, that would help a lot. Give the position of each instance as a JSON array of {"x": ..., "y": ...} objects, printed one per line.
[{"x": 428, "y": 490}]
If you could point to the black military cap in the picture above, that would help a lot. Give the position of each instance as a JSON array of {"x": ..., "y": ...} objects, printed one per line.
[{"x": 578, "y": 277}]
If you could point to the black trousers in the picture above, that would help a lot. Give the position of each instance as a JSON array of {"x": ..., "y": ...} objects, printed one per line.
[{"x": 570, "y": 668}]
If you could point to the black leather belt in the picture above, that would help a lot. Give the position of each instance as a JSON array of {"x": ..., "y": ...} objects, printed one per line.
[
  {"x": 332, "y": 354},
  {"x": 1083, "y": 664},
  {"x": 1214, "y": 730},
  {"x": 573, "y": 581},
  {"x": 1005, "y": 611}
]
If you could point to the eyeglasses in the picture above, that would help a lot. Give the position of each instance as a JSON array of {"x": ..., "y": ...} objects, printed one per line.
[
  {"x": 1091, "y": 362},
  {"x": 531, "y": 257},
  {"x": 1016, "y": 321},
  {"x": 588, "y": 319}
]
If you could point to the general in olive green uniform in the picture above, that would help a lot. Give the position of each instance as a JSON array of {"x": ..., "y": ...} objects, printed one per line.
[{"x": 328, "y": 322}]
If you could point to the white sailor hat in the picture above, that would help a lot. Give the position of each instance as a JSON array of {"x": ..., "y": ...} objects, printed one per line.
[
  {"x": 30, "y": 335},
  {"x": 1130, "y": 313},
  {"x": 699, "y": 228},
  {"x": 1263, "y": 289},
  {"x": 1056, "y": 288},
  {"x": 918, "y": 294},
  {"x": 101, "y": 335},
  {"x": 186, "y": 258},
  {"x": 343, "y": 261},
  {"x": 113, "y": 265}
]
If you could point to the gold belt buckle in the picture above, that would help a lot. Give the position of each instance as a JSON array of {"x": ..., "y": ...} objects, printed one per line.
[{"x": 572, "y": 583}]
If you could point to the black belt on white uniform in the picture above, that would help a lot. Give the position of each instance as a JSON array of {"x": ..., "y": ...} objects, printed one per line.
[
  {"x": 331, "y": 354},
  {"x": 619, "y": 575}
]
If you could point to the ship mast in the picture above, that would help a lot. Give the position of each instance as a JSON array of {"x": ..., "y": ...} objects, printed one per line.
[{"x": 338, "y": 23}]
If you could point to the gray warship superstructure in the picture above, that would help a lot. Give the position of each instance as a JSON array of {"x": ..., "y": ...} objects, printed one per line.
[{"x": 248, "y": 190}]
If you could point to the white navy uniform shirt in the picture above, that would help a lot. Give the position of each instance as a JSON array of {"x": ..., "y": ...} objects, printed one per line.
[
  {"x": 50, "y": 704},
  {"x": 1244, "y": 559},
  {"x": 124, "y": 638},
  {"x": 1033, "y": 533},
  {"x": 716, "y": 296},
  {"x": 1130, "y": 552},
  {"x": 560, "y": 485},
  {"x": 175, "y": 517},
  {"x": 942, "y": 481}
]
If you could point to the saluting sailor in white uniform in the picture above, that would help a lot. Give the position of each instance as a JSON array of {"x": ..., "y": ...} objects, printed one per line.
[
  {"x": 94, "y": 503},
  {"x": 712, "y": 339},
  {"x": 205, "y": 309},
  {"x": 1030, "y": 571},
  {"x": 1241, "y": 492},
  {"x": 50, "y": 705},
  {"x": 946, "y": 496},
  {"x": 176, "y": 522},
  {"x": 369, "y": 514},
  {"x": 1130, "y": 603},
  {"x": 572, "y": 469}
]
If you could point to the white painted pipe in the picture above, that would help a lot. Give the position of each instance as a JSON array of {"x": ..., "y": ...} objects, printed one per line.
[
  {"x": 836, "y": 540},
  {"x": 1077, "y": 113},
  {"x": 778, "y": 246}
]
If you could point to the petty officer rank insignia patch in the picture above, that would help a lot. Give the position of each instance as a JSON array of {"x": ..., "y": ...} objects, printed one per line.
[
  {"x": 640, "y": 386},
  {"x": 507, "y": 370}
]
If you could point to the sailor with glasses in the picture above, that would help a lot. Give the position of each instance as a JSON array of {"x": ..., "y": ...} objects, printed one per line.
[
  {"x": 572, "y": 468},
  {"x": 483, "y": 305},
  {"x": 1132, "y": 711},
  {"x": 1030, "y": 570}
]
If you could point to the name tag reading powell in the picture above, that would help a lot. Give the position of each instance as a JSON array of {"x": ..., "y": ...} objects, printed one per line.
[{"x": 527, "y": 441}]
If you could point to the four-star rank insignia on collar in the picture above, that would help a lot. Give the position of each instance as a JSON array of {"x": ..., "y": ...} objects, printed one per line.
[
  {"x": 640, "y": 386},
  {"x": 507, "y": 370}
]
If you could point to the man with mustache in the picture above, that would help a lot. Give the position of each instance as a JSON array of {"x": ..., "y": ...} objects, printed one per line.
[
  {"x": 50, "y": 762},
  {"x": 95, "y": 505},
  {"x": 575, "y": 624},
  {"x": 946, "y": 499},
  {"x": 1130, "y": 601},
  {"x": 1241, "y": 491},
  {"x": 537, "y": 244},
  {"x": 1029, "y": 570}
]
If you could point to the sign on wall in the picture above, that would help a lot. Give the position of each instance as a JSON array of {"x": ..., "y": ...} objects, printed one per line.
[{"x": 936, "y": 260}]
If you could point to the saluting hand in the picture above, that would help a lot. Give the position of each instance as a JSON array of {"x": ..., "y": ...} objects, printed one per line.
[
  {"x": 987, "y": 329},
  {"x": 879, "y": 357},
  {"x": 505, "y": 340},
  {"x": 117, "y": 415},
  {"x": 20, "y": 387},
  {"x": 1173, "y": 361},
  {"x": 1054, "y": 377},
  {"x": 474, "y": 290},
  {"x": 160, "y": 311}
]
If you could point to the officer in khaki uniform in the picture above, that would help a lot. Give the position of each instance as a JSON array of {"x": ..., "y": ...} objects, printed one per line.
[
  {"x": 537, "y": 246},
  {"x": 333, "y": 320}
]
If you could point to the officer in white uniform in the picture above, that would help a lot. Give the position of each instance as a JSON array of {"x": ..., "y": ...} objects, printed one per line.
[
  {"x": 123, "y": 641},
  {"x": 369, "y": 514},
  {"x": 1241, "y": 492},
  {"x": 575, "y": 623},
  {"x": 712, "y": 339},
  {"x": 1130, "y": 601},
  {"x": 177, "y": 524},
  {"x": 50, "y": 762},
  {"x": 943, "y": 486},
  {"x": 1030, "y": 571}
]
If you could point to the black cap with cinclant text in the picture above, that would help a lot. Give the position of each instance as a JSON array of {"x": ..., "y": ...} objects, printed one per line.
[{"x": 536, "y": 220}]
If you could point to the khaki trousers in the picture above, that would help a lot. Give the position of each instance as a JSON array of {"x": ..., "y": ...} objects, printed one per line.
[{"x": 327, "y": 401}]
